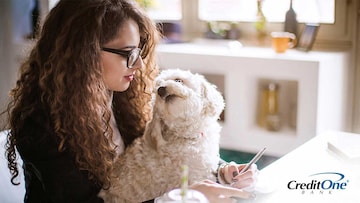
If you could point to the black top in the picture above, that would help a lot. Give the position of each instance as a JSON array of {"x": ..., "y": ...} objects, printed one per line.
[{"x": 50, "y": 175}]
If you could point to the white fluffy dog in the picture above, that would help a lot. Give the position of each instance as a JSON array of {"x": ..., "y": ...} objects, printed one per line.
[{"x": 184, "y": 130}]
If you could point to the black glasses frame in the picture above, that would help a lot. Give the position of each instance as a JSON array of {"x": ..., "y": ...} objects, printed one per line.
[{"x": 133, "y": 55}]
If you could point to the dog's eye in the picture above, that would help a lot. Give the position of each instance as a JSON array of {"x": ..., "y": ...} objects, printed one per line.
[{"x": 178, "y": 80}]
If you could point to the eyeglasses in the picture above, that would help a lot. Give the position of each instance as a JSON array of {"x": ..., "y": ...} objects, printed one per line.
[{"x": 132, "y": 55}]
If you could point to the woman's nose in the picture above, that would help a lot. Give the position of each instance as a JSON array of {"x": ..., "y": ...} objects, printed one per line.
[{"x": 138, "y": 64}]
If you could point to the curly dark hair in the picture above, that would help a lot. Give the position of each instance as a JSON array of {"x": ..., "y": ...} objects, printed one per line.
[{"x": 63, "y": 75}]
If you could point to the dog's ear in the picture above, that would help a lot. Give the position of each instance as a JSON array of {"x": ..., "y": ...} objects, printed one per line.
[
  {"x": 213, "y": 100},
  {"x": 153, "y": 135}
]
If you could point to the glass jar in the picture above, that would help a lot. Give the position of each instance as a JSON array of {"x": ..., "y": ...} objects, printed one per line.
[
  {"x": 269, "y": 112},
  {"x": 175, "y": 196}
]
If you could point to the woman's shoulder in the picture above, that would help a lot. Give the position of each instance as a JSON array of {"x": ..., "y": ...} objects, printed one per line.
[{"x": 35, "y": 135}]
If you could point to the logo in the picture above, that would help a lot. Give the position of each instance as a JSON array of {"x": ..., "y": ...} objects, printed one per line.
[{"x": 320, "y": 183}]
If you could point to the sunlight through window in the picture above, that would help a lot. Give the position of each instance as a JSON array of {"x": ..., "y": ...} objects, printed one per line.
[{"x": 308, "y": 11}]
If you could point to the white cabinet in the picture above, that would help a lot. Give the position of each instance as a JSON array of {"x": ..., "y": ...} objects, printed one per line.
[{"x": 313, "y": 95}]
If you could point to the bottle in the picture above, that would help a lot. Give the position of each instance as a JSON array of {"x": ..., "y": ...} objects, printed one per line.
[
  {"x": 290, "y": 20},
  {"x": 183, "y": 194},
  {"x": 269, "y": 113},
  {"x": 272, "y": 117},
  {"x": 260, "y": 23}
]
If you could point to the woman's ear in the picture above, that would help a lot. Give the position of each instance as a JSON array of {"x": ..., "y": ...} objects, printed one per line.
[
  {"x": 213, "y": 100},
  {"x": 153, "y": 135}
]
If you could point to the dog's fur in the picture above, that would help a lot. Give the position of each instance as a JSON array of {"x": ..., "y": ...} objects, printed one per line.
[{"x": 184, "y": 130}]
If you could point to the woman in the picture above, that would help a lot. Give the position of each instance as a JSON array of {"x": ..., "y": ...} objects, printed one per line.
[{"x": 83, "y": 96}]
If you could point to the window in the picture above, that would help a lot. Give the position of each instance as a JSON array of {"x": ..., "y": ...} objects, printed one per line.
[
  {"x": 157, "y": 9},
  {"x": 165, "y": 10},
  {"x": 309, "y": 11}
]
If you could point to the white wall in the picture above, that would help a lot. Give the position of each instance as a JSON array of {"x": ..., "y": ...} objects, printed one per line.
[
  {"x": 6, "y": 66},
  {"x": 356, "y": 122},
  {"x": 311, "y": 84},
  {"x": 12, "y": 45}
]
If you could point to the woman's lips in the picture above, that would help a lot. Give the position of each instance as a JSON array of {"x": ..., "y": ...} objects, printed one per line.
[{"x": 129, "y": 77}]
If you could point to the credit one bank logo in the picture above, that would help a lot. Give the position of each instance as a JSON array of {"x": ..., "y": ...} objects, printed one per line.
[{"x": 320, "y": 183}]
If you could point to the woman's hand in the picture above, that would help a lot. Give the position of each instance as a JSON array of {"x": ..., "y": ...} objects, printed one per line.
[
  {"x": 246, "y": 180},
  {"x": 217, "y": 193}
]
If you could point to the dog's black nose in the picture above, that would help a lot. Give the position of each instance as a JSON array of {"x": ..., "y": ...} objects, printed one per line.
[{"x": 161, "y": 91}]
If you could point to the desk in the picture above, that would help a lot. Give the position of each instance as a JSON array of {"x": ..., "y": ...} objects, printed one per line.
[{"x": 313, "y": 157}]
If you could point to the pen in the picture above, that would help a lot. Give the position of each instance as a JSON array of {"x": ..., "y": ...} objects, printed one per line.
[{"x": 254, "y": 160}]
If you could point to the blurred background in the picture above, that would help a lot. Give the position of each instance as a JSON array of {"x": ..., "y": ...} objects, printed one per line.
[{"x": 220, "y": 22}]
